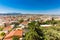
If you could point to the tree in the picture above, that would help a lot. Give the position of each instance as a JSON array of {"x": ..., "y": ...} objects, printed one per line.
[
  {"x": 52, "y": 18},
  {"x": 35, "y": 32},
  {"x": 1, "y": 29},
  {"x": 21, "y": 20},
  {"x": 2, "y": 34},
  {"x": 32, "y": 35},
  {"x": 15, "y": 38},
  {"x": 33, "y": 24},
  {"x": 51, "y": 33},
  {"x": 15, "y": 24}
]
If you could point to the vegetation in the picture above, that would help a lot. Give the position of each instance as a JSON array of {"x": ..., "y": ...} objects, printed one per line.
[
  {"x": 51, "y": 33},
  {"x": 15, "y": 38},
  {"x": 43, "y": 33},
  {"x": 21, "y": 20},
  {"x": 50, "y": 22},
  {"x": 15, "y": 24},
  {"x": 1, "y": 29},
  {"x": 2, "y": 34},
  {"x": 35, "y": 32}
]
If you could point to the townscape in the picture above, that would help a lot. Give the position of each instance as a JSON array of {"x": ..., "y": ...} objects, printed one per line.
[
  {"x": 29, "y": 19},
  {"x": 29, "y": 27}
]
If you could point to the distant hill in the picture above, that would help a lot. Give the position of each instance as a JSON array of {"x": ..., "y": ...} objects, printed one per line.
[
  {"x": 10, "y": 13},
  {"x": 28, "y": 14}
]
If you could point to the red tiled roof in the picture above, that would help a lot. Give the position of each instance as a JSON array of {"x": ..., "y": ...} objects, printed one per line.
[
  {"x": 7, "y": 28},
  {"x": 14, "y": 33},
  {"x": 24, "y": 23},
  {"x": 8, "y": 39}
]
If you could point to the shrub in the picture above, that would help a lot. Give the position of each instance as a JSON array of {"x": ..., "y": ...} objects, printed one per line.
[
  {"x": 1, "y": 29},
  {"x": 2, "y": 34}
]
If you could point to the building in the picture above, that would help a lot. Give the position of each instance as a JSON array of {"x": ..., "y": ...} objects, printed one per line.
[{"x": 18, "y": 33}]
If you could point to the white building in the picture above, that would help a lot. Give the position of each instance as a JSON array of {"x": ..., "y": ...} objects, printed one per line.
[{"x": 45, "y": 25}]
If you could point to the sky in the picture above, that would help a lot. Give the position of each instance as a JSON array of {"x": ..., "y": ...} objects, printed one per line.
[{"x": 30, "y": 6}]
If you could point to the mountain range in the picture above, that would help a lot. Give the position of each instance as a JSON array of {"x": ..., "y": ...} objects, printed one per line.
[{"x": 10, "y": 13}]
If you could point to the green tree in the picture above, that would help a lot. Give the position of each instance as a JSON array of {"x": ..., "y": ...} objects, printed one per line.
[
  {"x": 51, "y": 33},
  {"x": 1, "y": 29},
  {"x": 32, "y": 35},
  {"x": 2, "y": 34},
  {"x": 21, "y": 20},
  {"x": 15, "y": 38},
  {"x": 15, "y": 24},
  {"x": 35, "y": 32}
]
